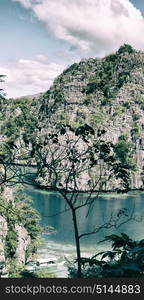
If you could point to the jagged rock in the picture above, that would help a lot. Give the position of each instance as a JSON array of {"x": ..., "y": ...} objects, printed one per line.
[
  {"x": 105, "y": 93},
  {"x": 3, "y": 233},
  {"x": 24, "y": 241},
  {"x": 80, "y": 92},
  {"x": 22, "y": 237}
]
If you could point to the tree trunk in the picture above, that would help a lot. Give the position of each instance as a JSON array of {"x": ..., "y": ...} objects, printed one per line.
[{"x": 79, "y": 274}]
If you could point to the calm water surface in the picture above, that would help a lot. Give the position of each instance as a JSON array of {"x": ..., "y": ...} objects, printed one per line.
[{"x": 58, "y": 245}]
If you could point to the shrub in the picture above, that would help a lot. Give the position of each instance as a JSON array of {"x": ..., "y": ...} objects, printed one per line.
[
  {"x": 125, "y": 259},
  {"x": 126, "y": 48},
  {"x": 135, "y": 117}
]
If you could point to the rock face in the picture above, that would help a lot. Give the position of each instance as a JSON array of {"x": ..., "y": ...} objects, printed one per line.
[
  {"x": 23, "y": 243},
  {"x": 23, "y": 240},
  {"x": 3, "y": 233},
  {"x": 105, "y": 93}
]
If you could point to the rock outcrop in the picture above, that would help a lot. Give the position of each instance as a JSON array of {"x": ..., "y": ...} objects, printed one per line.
[
  {"x": 3, "y": 233},
  {"x": 105, "y": 93},
  {"x": 22, "y": 238},
  {"x": 24, "y": 241}
]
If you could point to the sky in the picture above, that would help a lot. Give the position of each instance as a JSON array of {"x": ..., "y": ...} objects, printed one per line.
[{"x": 41, "y": 38}]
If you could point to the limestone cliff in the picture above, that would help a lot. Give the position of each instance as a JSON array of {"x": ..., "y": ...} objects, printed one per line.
[
  {"x": 15, "y": 238},
  {"x": 107, "y": 94}
]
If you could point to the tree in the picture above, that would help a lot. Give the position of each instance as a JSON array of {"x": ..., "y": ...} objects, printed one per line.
[
  {"x": 65, "y": 158},
  {"x": 126, "y": 49},
  {"x": 1, "y": 93}
]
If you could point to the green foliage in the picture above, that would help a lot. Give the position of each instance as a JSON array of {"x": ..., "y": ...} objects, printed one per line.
[
  {"x": 108, "y": 79},
  {"x": 14, "y": 268},
  {"x": 122, "y": 78},
  {"x": 22, "y": 121},
  {"x": 63, "y": 117},
  {"x": 43, "y": 273},
  {"x": 142, "y": 106},
  {"x": 97, "y": 118},
  {"x": 112, "y": 58},
  {"x": 124, "y": 165},
  {"x": 10, "y": 242},
  {"x": 1, "y": 90},
  {"x": 91, "y": 87},
  {"x": 139, "y": 100},
  {"x": 70, "y": 69},
  {"x": 18, "y": 271},
  {"x": 123, "y": 137},
  {"x": 84, "y": 131},
  {"x": 32, "y": 247},
  {"x": 135, "y": 117},
  {"x": 105, "y": 81},
  {"x": 11, "y": 237},
  {"x": 142, "y": 176},
  {"x": 12, "y": 131},
  {"x": 123, "y": 150},
  {"x": 19, "y": 211},
  {"x": 26, "y": 214},
  {"x": 58, "y": 95},
  {"x": 127, "y": 104},
  {"x": 88, "y": 101},
  {"x": 135, "y": 132},
  {"x": 81, "y": 114},
  {"x": 126, "y": 259},
  {"x": 126, "y": 49}
]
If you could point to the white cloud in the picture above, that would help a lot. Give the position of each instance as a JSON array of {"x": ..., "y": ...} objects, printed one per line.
[
  {"x": 42, "y": 58},
  {"x": 95, "y": 27},
  {"x": 28, "y": 77}
]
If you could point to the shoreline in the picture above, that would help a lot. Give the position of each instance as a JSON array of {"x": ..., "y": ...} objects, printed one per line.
[{"x": 116, "y": 191}]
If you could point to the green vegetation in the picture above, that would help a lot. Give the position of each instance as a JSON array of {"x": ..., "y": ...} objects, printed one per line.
[
  {"x": 135, "y": 117},
  {"x": 126, "y": 49},
  {"x": 96, "y": 118},
  {"x": 11, "y": 237},
  {"x": 19, "y": 211},
  {"x": 1, "y": 90},
  {"x": 24, "y": 122},
  {"x": 135, "y": 132},
  {"x": 127, "y": 105},
  {"x": 107, "y": 79},
  {"x": 26, "y": 214},
  {"x": 125, "y": 259},
  {"x": 88, "y": 101},
  {"x": 18, "y": 271},
  {"x": 42, "y": 273},
  {"x": 124, "y": 151},
  {"x": 124, "y": 157},
  {"x": 71, "y": 69}
]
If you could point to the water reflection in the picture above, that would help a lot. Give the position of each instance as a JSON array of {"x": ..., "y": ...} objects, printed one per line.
[
  {"x": 60, "y": 243},
  {"x": 50, "y": 205}
]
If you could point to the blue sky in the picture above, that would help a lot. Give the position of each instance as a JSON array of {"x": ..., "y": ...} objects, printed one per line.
[
  {"x": 40, "y": 38},
  {"x": 139, "y": 4},
  {"x": 22, "y": 35}
]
